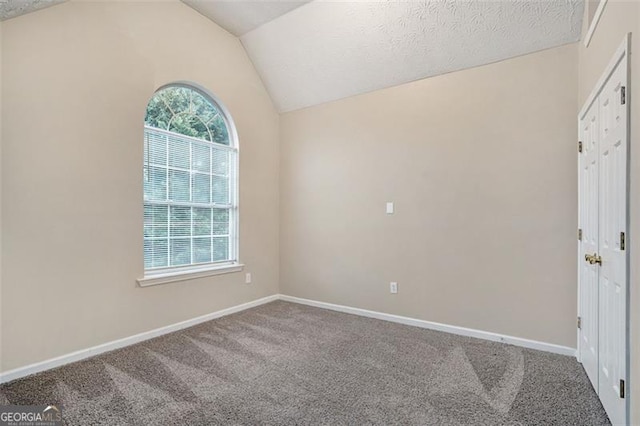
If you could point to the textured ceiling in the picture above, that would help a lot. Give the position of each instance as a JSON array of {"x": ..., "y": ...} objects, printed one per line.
[
  {"x": 12, "y": 8},
  {"x": 327, "y": 50},
  {"x": 311, "y": 52},
  {"x": 239, "y": 16}
]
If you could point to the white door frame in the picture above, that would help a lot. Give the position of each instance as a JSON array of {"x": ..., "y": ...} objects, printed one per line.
[{"x": 621, "y": 53}]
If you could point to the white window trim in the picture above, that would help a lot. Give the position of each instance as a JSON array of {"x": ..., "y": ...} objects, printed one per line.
[{"x": 170, "y": 275}]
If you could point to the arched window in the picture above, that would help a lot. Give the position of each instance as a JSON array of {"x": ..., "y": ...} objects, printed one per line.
[{"x": 190, "y": 159}]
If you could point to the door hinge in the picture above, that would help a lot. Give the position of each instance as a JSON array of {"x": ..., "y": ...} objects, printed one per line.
[
  {"x": 579, "y": 146},
  {"x": 580, "y": 234},
  {"x": 623, "y": 95},
  {"x": 579, "y": 322},
  {"x": 622, "y": 242},
  {"x": 621, "y": 388}
]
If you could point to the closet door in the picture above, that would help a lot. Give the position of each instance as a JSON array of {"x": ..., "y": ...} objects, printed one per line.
[
  {"x": 612, "y": 250},
  {"x": 604, "y": 240},
  {"x": 588, "y": 184}
]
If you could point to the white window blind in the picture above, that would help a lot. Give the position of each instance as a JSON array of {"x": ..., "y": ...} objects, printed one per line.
[{"x": 189, "y": 200}]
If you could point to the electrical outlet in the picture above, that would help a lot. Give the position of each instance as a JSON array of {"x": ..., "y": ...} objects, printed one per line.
[
  {"x": 247, "y": 278},
  {"x": 393, "y": 287}
]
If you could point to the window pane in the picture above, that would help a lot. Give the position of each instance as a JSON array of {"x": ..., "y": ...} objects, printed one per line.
[
  {"x": 155, "y": 184},
  {"x": 201, "y": 221},
  {"x": 178, "y": 185},
  {"x": 155, "y": 221},
  {"x": 201, "y": 188},
  {"x": 180, "y": 221},
  {"x": 203, "y": 108},
  {"x": 157, "y": 145},
  {"x": 220, "y": 248},
  {"x": 201, "y": 250},
  {"x": 176, "y": 97},
  {"x": 220, "y": 224},
  {"x": 155, "y": 253},
  {"x": 220, "y": 215},
  {"x": 220, "y": 189},
  {"x": 158, "y": 115},
  {"x": 220, "y": 162},
  {"x": 189, "y": 125},
  {"x": 179, "y": 153},
  {"x": 220, "y": 228},
  {"x": 180, "y": 251},
  {"x": 201, "y": 158},
  {"x": 218, "y": 128}
]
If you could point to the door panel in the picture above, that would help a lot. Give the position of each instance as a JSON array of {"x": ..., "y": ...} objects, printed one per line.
[
  {"x": 589, "y": 176},
  {"x": 612, "y": 222}
]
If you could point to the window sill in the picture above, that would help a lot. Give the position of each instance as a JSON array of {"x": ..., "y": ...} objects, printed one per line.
[{"x": 165, "y": 277}]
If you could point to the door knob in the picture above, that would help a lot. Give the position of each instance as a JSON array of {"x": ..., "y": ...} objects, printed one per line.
[{"x": 593, "y": 259}]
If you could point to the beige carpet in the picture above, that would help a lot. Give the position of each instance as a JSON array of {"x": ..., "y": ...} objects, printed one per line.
[{"x": 288, "y": 364}]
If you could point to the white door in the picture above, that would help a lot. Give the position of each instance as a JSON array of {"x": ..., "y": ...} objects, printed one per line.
[
  {"x": 613, "y": 231},
  {"x": 603, "y": 199},
  {"x": 588, "y": 184}
]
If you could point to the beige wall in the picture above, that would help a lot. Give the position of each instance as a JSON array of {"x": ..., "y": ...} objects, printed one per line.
[
  {"x": 76, "y": 80},
  {"x": 482, "y": 167},
  {"x": 618, "y": 19}
]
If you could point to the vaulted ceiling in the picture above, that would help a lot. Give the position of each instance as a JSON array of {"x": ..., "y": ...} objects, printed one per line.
[
  {"x": 241, "y": 16},
  {"x": 311, "y": 52},
  {"x": 326, "y": 50}
]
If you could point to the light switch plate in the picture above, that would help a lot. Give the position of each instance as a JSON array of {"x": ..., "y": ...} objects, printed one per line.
[{"x": 389, "y": 208}]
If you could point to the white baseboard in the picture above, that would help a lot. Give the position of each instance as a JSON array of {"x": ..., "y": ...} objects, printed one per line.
[
  {"x": 127, "y": 341},
  {"x": 462, "y": 331}
]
